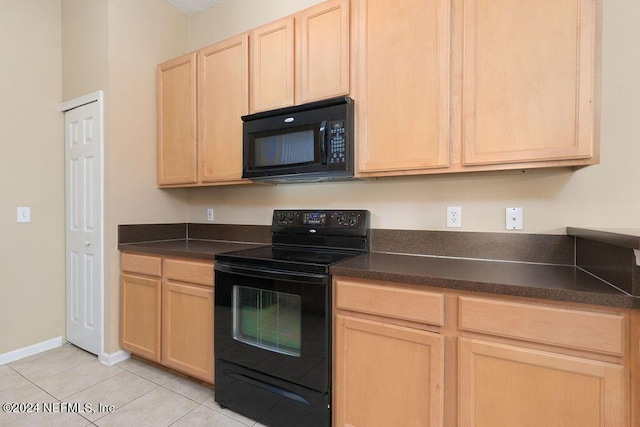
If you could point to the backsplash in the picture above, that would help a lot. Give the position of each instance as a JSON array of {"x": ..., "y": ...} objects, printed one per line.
[{"x": 534, "y": 248}]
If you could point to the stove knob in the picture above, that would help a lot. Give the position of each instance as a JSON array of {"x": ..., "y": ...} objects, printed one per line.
[
  {"x": 340, "y": 217},
  {"x": 353, "y": 219},
  {"x": 291, "y": 216}
]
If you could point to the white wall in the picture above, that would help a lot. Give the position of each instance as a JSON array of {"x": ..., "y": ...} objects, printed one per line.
[
  {"x": 32, "y": 297},
  {"x": 115, "y": 45},
  {"x": 603, "y": 195},
  {"x": 231, "y": 17}
]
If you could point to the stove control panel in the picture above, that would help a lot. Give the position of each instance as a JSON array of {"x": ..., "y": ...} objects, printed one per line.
[
  {"x": 285, "y": 221},
  {"x": 341, "y": 229},
  {"x": 314, "y": 218}
]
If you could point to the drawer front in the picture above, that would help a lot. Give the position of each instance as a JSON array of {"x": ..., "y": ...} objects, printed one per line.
[
  {"x": 190, "y": 271},
  {"x": 578, "y": 329},
  {"x": 142, "y": 264},
  {"x": 390, "y": 301}
]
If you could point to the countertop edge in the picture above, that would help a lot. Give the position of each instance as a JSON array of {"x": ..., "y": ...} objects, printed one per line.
[{"x": 541, "y": 293}]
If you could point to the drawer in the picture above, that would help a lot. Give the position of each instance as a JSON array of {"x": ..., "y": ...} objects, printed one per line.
[
  {"x": 578, "y": 329},
  {"x": 390, "y": 301},
  {"x": 141, "y": 264},
  {"x": 190, "y": 271}
]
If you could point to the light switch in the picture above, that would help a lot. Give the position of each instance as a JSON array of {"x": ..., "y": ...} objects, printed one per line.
[{"x": 24, "y": 214}]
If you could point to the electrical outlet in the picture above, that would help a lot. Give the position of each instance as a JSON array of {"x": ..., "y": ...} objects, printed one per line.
[
  {"x": 454, "y": 217},
  {"x": 210, "y": 214},
  {"x": 514, "y": 219}
]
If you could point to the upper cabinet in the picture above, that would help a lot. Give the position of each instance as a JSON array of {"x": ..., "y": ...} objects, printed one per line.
[
  {"x": 439, "y": 86},
  {"x": 528, "y": 81},
  {"x": 301, "y": 58},
  {"x": 223, "y": 89},
  {"x": 201, "y": 97},
  {"x": 402, "y": 96},
  {"x": 177, "y": 110},
  {"x": 272, "y": 71},
  {"x": 471, "y": 85},
  {"x": 322, "y": 51}
]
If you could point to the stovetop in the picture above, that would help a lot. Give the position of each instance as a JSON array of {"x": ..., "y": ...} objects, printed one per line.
[
  {"x": 292, "y": 258},
  {"x": 308, "y": 241}
]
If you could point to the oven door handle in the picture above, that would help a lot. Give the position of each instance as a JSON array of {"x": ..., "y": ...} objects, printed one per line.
[{"x": 265, "y": 273}]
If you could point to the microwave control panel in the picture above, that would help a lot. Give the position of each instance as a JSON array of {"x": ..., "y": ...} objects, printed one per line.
[{"x": 337, "y": 142}]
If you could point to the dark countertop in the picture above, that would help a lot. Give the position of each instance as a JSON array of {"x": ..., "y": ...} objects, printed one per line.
[
  {"x": 188, "y": 248},
  {"x": 555, "y": 282},
  {"x": 543, "y": 281}
]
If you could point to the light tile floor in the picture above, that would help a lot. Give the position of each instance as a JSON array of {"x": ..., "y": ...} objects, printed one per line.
[{"x": 64, "y": 381}]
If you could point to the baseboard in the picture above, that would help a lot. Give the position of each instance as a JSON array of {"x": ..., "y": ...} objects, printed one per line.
[
  {"x": 113, "y": 358},
  {"x": 20, "y": 353}
]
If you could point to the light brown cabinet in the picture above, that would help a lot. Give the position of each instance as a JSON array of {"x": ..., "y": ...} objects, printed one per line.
[
  {"x": 168, "y": 316},
  {"x": 223, "y": 97},
  {"x": 140, "y": 311},
  {"x": 572, "y": 381},
  {"x": 272, "y": 65},
  {"x": 529, "y": 81},
  {"x": 411, "y": 355},
  {"x": 402, "y": 92},
  {"x": 301, "y": 58},
  {"x": 504, "y": 385},
  {"x": 471, "y": 85},
  {"x": 385, "y": 372},
  {"x": 187, "y": 317},
  {"x": 140, "y": 307},
  {"x": 201, "y": 97},
  {"x": 177, "y": 126}
]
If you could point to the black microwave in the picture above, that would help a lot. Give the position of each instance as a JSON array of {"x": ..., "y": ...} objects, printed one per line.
[{"x": 310, "y": 142}]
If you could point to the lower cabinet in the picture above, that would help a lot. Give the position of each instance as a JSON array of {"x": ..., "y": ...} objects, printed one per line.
[
  {"x": 140, "y": 315},
  {"x": 166, "y": 312},
  {"x": 388, "y": 370},
  {"x": 506, "y": 385},
  {"x": 414, "y": 356},
  {"x": 187, "y": 329},
  {"x": 386, "y": 375}
]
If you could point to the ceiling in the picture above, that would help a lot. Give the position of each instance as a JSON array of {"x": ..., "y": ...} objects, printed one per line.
[{"x": 191, "y": 7}]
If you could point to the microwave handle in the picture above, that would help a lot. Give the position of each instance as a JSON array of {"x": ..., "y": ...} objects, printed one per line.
[{"x": 323, "y": 142}]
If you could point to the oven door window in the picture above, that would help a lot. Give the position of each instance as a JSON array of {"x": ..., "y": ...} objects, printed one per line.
[{"x": 267, "y": 319}]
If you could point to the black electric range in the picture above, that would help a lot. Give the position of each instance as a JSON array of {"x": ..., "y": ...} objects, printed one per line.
[{"x": 273, "y": 317}]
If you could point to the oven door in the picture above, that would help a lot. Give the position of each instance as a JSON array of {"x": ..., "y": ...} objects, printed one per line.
[
  {"x": 274, "y": 322},
  {"x": 272, "y": 342}
]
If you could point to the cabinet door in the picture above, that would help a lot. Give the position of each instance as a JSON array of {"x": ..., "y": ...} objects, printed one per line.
[
  {"x": 177, "y": 121},
  {"x": 272, "y": 65},
  {"x": 140, "y": 315},
  {"x": 187, "y": 329},
  {"x": 502, "y": 385},
  {"x": 322, "y": 51},
  {"x": 387, "y": 375},
  {"x": 223, "y": 88},
  {"x": 528, "y": 90},
  {"x": 402, "y": 98}
]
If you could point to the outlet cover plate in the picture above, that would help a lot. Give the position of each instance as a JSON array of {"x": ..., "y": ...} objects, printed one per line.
[
  {"x": 454, "y": 216},
  {"x": 514, "y": 220}
]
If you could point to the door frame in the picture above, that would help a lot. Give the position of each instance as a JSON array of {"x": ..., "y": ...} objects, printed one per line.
[{"x": 98, "y": 97}]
